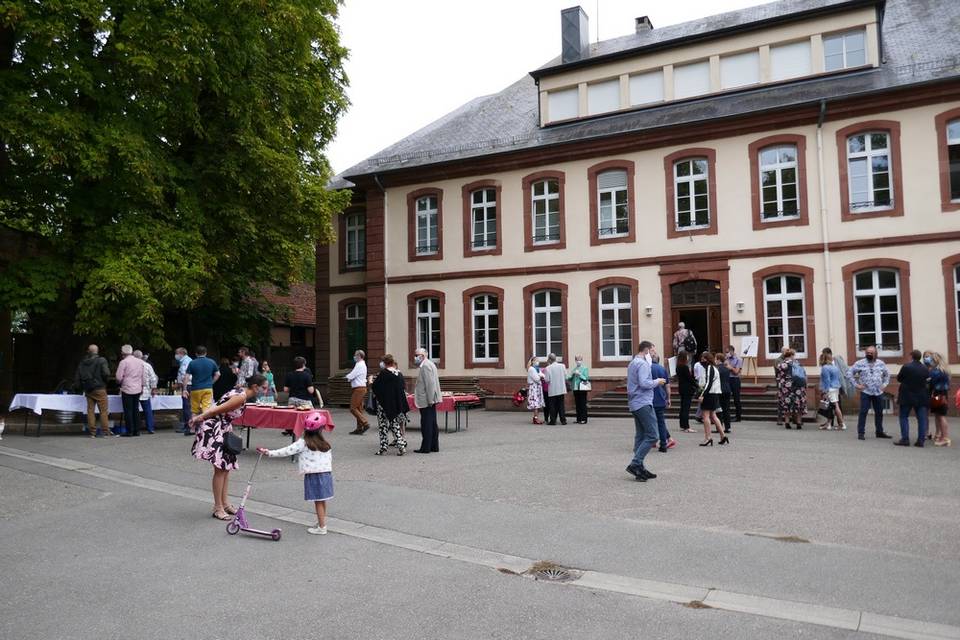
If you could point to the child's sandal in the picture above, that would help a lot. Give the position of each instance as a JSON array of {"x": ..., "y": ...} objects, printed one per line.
[{"x": 221, "y": 515}]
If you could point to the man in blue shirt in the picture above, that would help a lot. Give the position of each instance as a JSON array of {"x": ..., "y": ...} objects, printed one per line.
[
  {"x": 202, "y": 372},
  {"x": 661, "y": 400},
  {"x": 640, "y": 386}
]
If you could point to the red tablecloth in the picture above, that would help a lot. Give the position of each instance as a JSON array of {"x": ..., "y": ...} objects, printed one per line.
[
  {"x": 449, "y": 403},
  {"x": 276, "y": 418}
]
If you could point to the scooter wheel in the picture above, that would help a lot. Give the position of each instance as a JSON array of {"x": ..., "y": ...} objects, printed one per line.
[
  {"x": 233, "y": 528},
  {"x": 275, "y": 535}
]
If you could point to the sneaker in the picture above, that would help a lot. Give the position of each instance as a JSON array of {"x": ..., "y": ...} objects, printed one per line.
[
  {"x": 317, "y": 531},
  {"x": 860, "y": 436}
]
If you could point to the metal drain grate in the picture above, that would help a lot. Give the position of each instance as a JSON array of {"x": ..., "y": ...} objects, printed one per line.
[{"x": 554, "y": 574}]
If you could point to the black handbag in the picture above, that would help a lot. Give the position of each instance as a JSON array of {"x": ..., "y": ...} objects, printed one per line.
[
  {"x": 371, "y": 404},
  {"x": 232, "y": 443}
]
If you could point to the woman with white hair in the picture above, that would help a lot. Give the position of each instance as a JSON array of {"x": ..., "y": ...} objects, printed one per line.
[
  {"x": 130, "y": 376},
  {"x": 534, "y": 389}
]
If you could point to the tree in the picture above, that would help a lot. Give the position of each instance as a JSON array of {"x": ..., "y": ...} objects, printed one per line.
[{"x": 169, "y": 154}]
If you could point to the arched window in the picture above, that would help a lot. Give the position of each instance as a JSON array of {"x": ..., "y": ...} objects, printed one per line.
[
  {"x": 485, "y": 312},
  {"x": 547, "y": 323},
  {"x": 877, "y": 311},
  {"x": 785, "y": 314},
  {"x": 616, "y": 323}
]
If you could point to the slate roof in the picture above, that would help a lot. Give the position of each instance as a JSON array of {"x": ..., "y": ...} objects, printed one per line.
[{"x": 920, "y": 45}]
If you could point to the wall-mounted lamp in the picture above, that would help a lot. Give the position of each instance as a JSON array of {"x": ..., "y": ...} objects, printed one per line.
[
  {"x": 648, "y": 310},
  {"x": 740, "y": 306}
]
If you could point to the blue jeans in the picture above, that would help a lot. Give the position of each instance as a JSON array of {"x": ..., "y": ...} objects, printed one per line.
[
  {"x": 645, "y": 422},
  {"x": 147, "y": 409},
  {"x": 866, "y": 403},
  {"x": 662, "y": 424},
  {"x": 921, "y": 411}
]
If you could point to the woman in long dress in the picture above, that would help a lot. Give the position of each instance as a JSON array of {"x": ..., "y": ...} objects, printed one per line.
[
  {"x": 534, "y": 389},
  {"x": 214, "y": 424},
  {"x": 793, "y": 398}
]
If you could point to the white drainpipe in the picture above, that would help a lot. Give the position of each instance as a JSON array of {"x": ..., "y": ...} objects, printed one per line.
[{"x": 824, "y": 226}]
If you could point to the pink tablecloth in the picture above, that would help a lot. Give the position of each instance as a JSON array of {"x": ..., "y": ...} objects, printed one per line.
[
  {"x": 275, "y": 418},
  {"x": 449, "y": 403}
]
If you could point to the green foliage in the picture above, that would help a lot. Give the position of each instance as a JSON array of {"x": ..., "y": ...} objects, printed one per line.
[{"x": 170, "y": 153}]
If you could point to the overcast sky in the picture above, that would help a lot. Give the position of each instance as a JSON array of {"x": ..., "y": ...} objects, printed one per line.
[{"x": 412, "y": 61}]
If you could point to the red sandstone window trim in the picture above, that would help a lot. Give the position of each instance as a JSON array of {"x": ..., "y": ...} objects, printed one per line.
[
  {"x": 753, "y": 150},
  {"x": 468, "y": 297},
  {"x": 940, "y": 121},
  {"x": 906, "y": 327},
  {"x": 467, "y": 193},
  {"x": 344, "y": 357},
  {"x": 528, "y": 292},
  {"x": 412, "y": 197},
  {"x": 810, "y": 328},
  {"x": 596, "y": 286},
  {"x": 890, "y": 127},
  {"x": 668, "y": 163},
  {"x": 412, "y": 299},
  {"x": 592, "y": 175},
  {"x": 528, "y": 180},
  {"x": 949, "y": 264}
]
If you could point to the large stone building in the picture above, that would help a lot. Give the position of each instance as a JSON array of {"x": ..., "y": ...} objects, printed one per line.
[{"x": 789, "y": 171}]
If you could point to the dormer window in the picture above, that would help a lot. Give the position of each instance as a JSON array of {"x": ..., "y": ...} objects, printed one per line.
[
  {"x": 739, "y": 70},
  {"x": 603, "y": 97},
  {"x": 564, "y": 104},
  {"x": 691, "y": 80},
  {"x": 844, "y": 50},
  {"x": 790, "y": 60}
]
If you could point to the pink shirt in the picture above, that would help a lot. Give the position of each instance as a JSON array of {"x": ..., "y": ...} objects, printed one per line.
[{"x": 130, "y": 375}]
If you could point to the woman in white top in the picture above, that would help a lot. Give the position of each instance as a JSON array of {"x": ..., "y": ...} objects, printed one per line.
[
  {"x": 316, "y": 465},
  {"x": 710, "y": 399},
  {"x": 534, "y": 389}
]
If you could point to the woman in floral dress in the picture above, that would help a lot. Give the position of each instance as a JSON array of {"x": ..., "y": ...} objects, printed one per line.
[
  {"x": 534, "y": 389},
  {"x": 214, "y": 423},
  {"x": 792, "y": 399}
]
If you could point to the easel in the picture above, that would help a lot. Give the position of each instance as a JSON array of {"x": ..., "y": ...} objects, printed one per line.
[{"x": 748, "y": 362}]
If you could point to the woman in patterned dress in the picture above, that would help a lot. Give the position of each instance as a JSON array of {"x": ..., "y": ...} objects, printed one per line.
[
  {"x": 793, "y": 398},
  {"x": 534, "y": 389},
  {"x": 214, "y": 423},
  {"x": 390, "y": 391}
]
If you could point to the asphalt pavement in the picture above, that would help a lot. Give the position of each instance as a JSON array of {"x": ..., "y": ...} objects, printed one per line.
[{"x": 806, "y": 517}]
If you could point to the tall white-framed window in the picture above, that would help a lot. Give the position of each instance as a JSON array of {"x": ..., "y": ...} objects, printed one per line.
[
  {"x": 953, "y": 158},
  {"x": 355, "y": 254},
  {"x": 779, "y": 197},
  {"x": 868, "y": 172},
  {"x": 545, "y": 208},
  {"x": 547, "y": 323},
  {"x": 483, "y": 219},
  {"x": 613, "y": 220},
  {"x": 785, "y": 314},
  {"x": 428, "y": 326},
  {"x": 877, "y": 309},
  {"x": 616, "y": 323},
  {"x": 691, "y": 193},
  {"x": 428, "y": 219},
  {"x": 956, "y": 300},
  {"x": 486, "y": 328},
  {"x": 845, "y": 50}
]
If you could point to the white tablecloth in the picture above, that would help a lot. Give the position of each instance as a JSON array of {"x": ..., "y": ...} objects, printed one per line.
[{"x": 37, "y": 402}]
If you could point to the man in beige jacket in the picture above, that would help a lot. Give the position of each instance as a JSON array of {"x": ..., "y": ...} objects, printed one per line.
[{"x": 427, "y": 396}]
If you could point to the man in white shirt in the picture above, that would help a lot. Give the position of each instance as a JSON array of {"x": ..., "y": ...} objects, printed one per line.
[
  {"x": 150, "y": 381},
  {"x": 358, "y": 385},
  {"x": 556, "y": 377}
]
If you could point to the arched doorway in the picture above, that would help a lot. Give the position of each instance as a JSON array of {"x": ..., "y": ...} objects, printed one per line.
[{"x": 697, "y": 303}]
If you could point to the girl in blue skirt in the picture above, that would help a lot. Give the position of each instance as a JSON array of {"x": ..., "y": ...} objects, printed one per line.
[{"x": 315, "y": 463}]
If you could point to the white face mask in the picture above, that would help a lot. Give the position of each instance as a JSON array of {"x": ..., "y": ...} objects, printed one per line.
[
  {"x": 381, "y": 364},
  {"x": 648, "y": 358},
  {"x": 418, "y": 359}
]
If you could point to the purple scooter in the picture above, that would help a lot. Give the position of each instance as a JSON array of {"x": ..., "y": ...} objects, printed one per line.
[{"x": 239, "y": 522}]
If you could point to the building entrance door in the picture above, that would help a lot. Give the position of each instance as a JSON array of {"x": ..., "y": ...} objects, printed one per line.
[{"x": 696, "y": 303}]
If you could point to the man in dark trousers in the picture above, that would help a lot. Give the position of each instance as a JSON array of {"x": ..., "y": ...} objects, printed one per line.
[{"x": 913, "y": 395}]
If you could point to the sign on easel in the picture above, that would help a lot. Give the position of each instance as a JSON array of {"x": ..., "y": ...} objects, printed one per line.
[{"x": 749, "y": 347}]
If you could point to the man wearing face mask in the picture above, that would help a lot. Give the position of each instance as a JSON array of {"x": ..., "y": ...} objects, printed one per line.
[
  {"x": 427, "y": 396},
  {"x": 358, "y": 385},
  {"x": 870, "y": 376},
  {"x": 640, "y": 386}
]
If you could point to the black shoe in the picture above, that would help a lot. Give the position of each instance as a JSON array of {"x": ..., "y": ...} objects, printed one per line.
[
  {"x": 727, "y": 430},
  {"x": 902, "y": 443},
  {"x": 724, "y": 440},
  {"x": 884, "y": 435},
  {"x": 788, "y": 426},
  {"x": 708, "y": 443},
  {"x": 647, "y": 474},
  {"x": 150, "y": 433},
  {"x": 860, "y": 436},
  {"x": 633, "y": 470},
  {"x": 420, "y": 451},
  {"x": 662, "y": 449},
  {"x": 563, "y": 422},
  {"x": 918, "y": 443},
  {"x": 552, "y": 424},
  {"x": 799, "y": 427},
  {"x": 355, "y": 432}
]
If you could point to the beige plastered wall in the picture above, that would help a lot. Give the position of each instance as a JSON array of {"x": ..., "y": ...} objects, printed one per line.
[{"x": 922, "y": 214}]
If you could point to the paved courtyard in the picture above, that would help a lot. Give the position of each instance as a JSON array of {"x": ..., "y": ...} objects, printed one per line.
[{"x": 781, "y": 534}]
